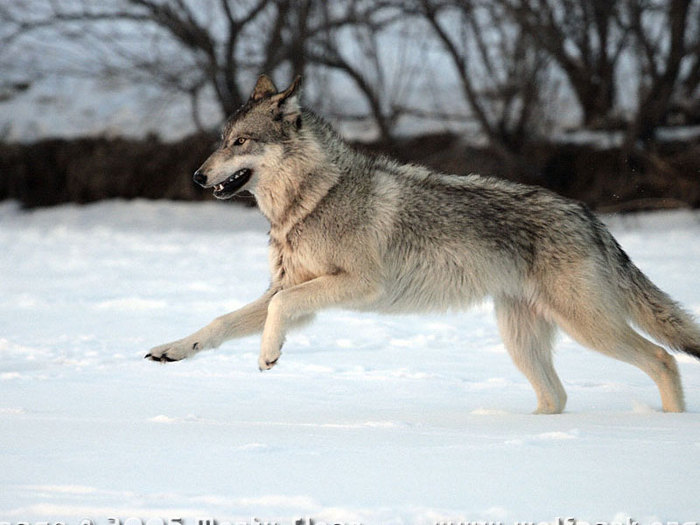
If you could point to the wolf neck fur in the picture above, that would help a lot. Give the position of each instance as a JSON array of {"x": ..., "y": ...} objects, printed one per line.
[{"x": 300, "y": 181}]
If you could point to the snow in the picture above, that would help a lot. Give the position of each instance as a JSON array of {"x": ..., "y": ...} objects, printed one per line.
[
  {"x": 605, "y": 139},
  {"x": 366, "y": 418}
]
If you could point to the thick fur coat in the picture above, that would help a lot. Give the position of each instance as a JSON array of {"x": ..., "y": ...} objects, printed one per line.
[{"x": 364, "y": 232}]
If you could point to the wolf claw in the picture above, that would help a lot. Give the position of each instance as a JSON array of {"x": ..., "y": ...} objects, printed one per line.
[
  {"x": 160, "y": 359},
  {"x": 268, "y": 365}
]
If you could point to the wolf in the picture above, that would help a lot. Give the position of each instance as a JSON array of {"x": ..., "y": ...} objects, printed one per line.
[{"x": 360, "y": 231}]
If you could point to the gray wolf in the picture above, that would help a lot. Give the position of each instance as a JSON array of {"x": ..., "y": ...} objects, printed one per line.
[{"x": 364, "y": 232}]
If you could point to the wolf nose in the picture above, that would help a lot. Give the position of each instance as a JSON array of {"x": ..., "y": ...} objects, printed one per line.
[{"x": 200, "y": 178}]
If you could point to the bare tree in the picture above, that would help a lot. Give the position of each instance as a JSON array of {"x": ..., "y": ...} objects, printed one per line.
[
  {"x": 209, "y": 48},
  {"x": 584, "y": 39},
  {"x": 179, "y": 45},
  {"x": 687, "y": 96},
  {"x": 501, "y": 73},
  {"x": 662, "y": 42},
  {"x": 502, "y": 52},
  {"x": 355, "y": 51}
]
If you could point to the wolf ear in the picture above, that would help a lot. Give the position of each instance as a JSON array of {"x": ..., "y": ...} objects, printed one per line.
[
  {"x": 287, "y": 102},
  {"x": 264, "y": 87}
]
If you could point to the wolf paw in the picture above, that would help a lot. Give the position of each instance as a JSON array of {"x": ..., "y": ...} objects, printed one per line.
[
  {"x": 265, "y": 362},
  {"x": 174, "y": 351}
]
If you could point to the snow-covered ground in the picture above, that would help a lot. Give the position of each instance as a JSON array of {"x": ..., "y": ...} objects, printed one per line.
[{"x": 367, "y": 418}]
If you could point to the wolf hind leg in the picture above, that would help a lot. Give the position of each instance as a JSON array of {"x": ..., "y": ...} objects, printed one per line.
[
  {"x": 614, "y": 337},
  {"x": 528, "y": 337}
]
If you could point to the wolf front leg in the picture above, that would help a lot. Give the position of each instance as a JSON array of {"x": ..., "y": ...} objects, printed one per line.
[
  {"x": 246, "y": 321},
  {"x": 290, "y": 306}
]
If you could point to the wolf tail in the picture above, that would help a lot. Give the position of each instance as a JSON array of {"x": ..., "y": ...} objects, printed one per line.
[{"x": 659, "y": 315}]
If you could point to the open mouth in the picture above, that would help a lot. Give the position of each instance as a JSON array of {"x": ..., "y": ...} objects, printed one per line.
[{"x": 230, "y": 186}]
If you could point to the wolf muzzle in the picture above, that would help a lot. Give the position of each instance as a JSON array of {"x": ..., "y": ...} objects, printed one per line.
[{"x": 229, "y": 187}]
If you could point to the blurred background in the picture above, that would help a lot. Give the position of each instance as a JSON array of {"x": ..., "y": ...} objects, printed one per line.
[{"x": 598, "y": 100}]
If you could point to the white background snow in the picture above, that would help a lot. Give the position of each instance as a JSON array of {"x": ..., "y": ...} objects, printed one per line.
[{"x": 366, "y": 418}]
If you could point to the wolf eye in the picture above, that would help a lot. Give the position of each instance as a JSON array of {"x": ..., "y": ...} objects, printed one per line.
[{"x": 240, "y": 141}]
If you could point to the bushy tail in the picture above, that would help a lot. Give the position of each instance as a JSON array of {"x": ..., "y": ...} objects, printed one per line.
[{"x": 659, "y": 315}]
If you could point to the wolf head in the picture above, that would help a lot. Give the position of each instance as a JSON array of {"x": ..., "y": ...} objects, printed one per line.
[{"x": 252, "y": 140}]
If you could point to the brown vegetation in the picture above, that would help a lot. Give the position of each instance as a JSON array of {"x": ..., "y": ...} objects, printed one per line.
[{"x": 84, "y": 170}]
